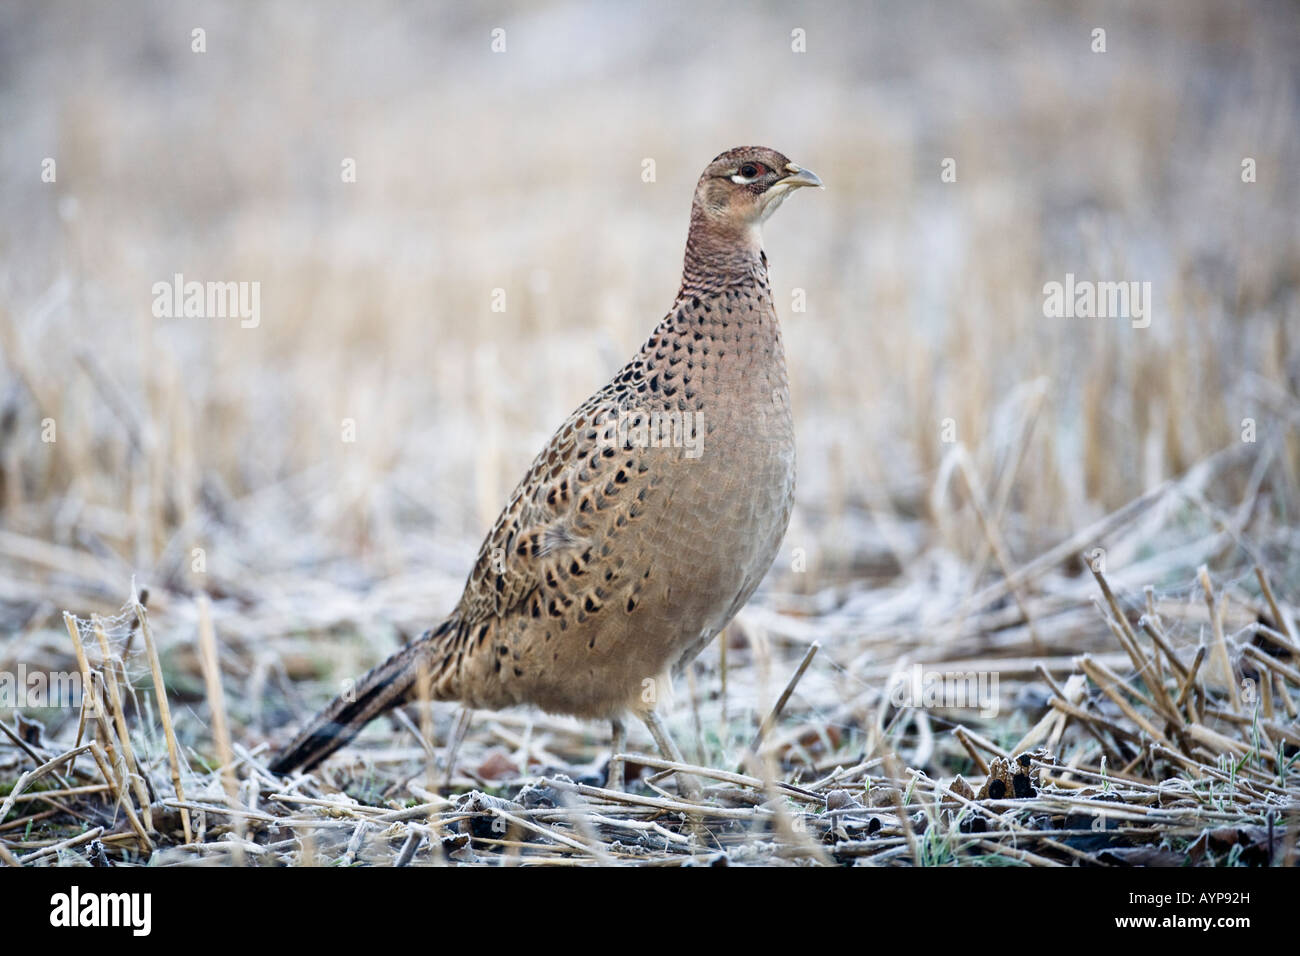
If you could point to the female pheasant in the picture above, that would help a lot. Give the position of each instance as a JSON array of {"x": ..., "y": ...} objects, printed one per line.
[{"x": 648, "y": 519}]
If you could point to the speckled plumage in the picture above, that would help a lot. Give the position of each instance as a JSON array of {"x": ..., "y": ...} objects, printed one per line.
[{"x": 614, "y": 562}]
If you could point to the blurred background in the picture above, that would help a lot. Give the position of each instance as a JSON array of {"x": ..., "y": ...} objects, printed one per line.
[{"x": 948, "y": 431}]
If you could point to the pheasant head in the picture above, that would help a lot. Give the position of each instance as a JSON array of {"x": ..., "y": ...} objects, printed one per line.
[{"x": 736, "y": 194}]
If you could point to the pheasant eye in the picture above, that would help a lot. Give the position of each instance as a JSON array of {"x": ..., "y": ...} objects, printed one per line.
[{"x": 750, "y": 170}]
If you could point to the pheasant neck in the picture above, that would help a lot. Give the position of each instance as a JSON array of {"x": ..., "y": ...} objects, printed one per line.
[{"x": 720, "y": 257}]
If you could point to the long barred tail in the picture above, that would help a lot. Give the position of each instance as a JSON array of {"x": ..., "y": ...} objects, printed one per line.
[{"x": 386, "y": 686}]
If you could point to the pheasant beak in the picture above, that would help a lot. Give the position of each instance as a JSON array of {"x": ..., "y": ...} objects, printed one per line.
[
  {"x": 799, "y": 177},
  {"x": 775, "y": 194}
]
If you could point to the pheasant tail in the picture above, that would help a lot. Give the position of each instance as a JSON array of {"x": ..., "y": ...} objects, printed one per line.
[{"x": 391, "y": 684}]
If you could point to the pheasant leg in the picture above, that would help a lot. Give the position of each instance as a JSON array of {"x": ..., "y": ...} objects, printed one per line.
[
  {"x": 689, "y": 785},
  {"x": 618, "y": 745}
]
